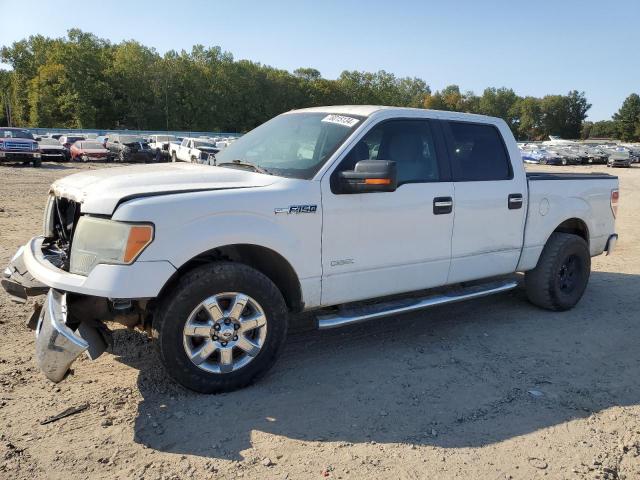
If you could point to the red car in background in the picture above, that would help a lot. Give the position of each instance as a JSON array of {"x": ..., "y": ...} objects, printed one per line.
[{"x": 86, "y": 150}]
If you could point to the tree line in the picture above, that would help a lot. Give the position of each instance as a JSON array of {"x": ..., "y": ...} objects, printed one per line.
[{"x": 82, "y": 81}]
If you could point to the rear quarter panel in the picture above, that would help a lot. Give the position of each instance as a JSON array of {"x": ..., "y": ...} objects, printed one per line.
[{"x": 552, "y": 202}]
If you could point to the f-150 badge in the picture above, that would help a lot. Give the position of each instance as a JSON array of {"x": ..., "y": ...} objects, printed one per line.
[{"x": 297, "y": 209}]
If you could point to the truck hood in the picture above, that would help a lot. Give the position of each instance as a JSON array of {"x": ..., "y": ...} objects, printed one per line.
[{"x": 100, "y": 191}]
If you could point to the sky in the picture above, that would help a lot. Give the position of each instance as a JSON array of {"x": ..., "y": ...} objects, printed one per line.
[{"x": 534, "y": 47}]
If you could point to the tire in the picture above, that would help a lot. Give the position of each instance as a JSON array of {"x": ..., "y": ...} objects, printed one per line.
[
  {"x": 173, "y": 157},
  {"x": 564, "y": 162},
  {"x": 194, "y": 160},
  {"x": 37, "y": 162},
  {"x": 180, "y": 306},
  {"x": 561, "y": 276},
  {"x": 121, "y": 157}
]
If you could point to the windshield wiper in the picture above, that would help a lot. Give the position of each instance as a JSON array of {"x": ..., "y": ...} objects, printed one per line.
[{"x": 242, "y": 163}]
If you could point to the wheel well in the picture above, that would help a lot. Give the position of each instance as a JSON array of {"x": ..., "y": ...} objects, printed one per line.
[
  {"x": 263, "y": 259},
  {"x": 574, "y": 226}
]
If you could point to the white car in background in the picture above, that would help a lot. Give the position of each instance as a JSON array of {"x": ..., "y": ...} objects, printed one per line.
[
  {"x": 195, "y": 150},
  {"x": 159, "y": 144}
]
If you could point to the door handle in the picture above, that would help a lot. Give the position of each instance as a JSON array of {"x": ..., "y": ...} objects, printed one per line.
[
  {"x": 442, "y": 205},
  {"x": 515, "y": 201}
]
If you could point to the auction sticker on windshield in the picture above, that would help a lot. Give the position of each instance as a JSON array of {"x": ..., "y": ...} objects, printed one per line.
[{"x": 341, "y": 120}]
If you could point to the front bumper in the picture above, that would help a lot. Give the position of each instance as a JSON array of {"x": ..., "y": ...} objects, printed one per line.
[
  {"x": 138, "y": 280},
  {"x": 25, "y": 156},
  {"x": 57, "y": 346},
  {"x": 53, "y": 156}
]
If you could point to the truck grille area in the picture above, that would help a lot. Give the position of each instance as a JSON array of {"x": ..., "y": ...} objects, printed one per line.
[
  {"x": 17, "y": 146},
  {"x": 59, "y": 227}
]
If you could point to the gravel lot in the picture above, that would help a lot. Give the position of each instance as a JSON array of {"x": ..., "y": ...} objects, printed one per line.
[{"x": 493, "y": 388}]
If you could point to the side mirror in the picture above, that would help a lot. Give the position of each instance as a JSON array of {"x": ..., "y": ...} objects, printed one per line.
[{"x": 369, "y": 176}]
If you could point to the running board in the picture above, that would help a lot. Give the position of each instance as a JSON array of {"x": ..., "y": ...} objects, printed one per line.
[{"x": 396, "y": 307}]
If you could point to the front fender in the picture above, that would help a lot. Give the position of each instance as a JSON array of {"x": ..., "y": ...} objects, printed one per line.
[{"x": 190, "y": 224}]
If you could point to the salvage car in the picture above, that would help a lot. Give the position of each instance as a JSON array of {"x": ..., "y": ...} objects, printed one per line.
[
  {"x": 160, "y": 145},
  {"x": 129, "y": 148},
  {"x": 618, "y": 157},
  {"x": 68, "y": 140},
  {"x": 89, "y": 150},
  {"x": 19, "y": 145},
  {"x": 51, "y": 150},
  {"x": 194, "y": 150},
  {"x": 345, "y": 212}
]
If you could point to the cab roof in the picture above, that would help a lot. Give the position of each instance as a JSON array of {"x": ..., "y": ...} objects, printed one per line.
[{"x": 369, "y": 110}]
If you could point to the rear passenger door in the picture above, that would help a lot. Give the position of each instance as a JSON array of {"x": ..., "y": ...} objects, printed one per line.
[{"x": 489, "y": 207}]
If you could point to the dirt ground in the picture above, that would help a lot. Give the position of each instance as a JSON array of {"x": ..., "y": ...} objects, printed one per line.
[{"x": 491, "y": 389}]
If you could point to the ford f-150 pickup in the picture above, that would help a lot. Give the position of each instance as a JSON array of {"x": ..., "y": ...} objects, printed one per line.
[
  {"x": 18, "y": 145},
  {"x": 351, "y": 212}
]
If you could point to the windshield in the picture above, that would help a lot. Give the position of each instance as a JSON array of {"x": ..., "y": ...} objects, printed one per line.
[
  {"x": 292, "y": 145},
  {"x": 15, "y": 134}
]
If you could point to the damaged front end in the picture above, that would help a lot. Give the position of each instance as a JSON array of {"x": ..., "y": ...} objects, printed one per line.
[
  {"x": 57, "y": 346},
  {"x": 67, "y": 324}
]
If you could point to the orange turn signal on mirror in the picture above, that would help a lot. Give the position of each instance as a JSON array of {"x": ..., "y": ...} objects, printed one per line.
[
  {"x": 377, "y": 181},
  {"x": 139, "y": 237}
]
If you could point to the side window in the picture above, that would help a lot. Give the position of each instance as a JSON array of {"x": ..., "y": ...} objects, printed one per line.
[
  {"x": 184, "y": 143},
  {"x": 409, "y": 143},
  {"x": 477, "y": 152}
]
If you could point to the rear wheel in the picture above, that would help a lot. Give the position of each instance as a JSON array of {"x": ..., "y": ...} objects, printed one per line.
[
  {"x": 37, "y": 162},
  {"x": 173, "y": 157},
  {"x": 561, "y": 276},
  {"x": 222, "y": 327}
]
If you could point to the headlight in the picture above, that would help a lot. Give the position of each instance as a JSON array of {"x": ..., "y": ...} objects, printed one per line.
[
  {"x": 47, "y": 227},
  {"x": 98, "y": 240}
]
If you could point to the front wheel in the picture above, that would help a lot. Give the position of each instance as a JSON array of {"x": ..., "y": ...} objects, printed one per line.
[
  {"x": 221, "y": 328},
  {"x": 561, "y": 276},
  {"x": 37, "y": 162},
  {"x": 173, "y": 157}
]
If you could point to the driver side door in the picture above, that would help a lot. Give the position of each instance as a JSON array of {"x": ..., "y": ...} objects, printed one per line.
[{"x": 383, "y": 243}]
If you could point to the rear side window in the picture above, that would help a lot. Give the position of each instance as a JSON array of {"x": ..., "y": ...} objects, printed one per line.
[{"x": 477, "y": 152}]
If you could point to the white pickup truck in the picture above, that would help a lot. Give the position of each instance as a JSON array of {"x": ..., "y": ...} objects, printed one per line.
[
  {"x": 159, "y": 144},
  {"x": 195, "y": 150},
  {"x": 352, "y": 212}
]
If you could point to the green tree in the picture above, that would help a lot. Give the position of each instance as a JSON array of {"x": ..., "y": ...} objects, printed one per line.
[
  {"x": 627, "y": 119},
  {"x": 528, "y": 111},
  {"x": 500, "y": 102},
  {"x": 602, "y": 129}
]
